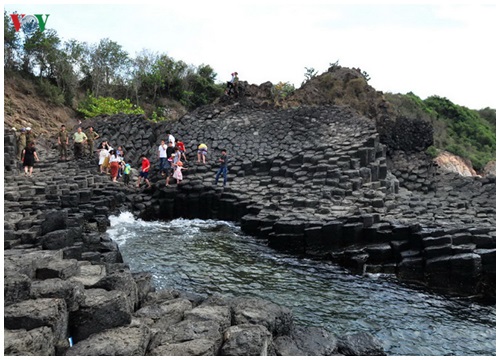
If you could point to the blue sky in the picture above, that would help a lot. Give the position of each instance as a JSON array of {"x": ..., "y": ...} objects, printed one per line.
[{"x": 444, "y": 49}]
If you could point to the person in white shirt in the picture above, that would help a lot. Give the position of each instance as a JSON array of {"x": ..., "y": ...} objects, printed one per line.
[
  {"x": 103, "y": 155},
  {"x": 162, "y": 156},
  {"x": 170, "y": 139}
]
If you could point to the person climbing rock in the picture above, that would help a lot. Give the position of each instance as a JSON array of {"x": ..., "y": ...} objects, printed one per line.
[{"x": 202, "y": 152}]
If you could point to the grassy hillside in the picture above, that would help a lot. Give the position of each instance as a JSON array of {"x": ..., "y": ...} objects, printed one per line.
[{"x": 464, "y": 132}]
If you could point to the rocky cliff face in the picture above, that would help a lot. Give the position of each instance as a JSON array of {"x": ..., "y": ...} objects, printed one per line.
[
  {"x": 490, "y": 169},
  {"x": 455, "y": 164}
]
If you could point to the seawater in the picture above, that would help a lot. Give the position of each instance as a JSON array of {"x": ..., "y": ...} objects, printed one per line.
[{"x": 215, "y": 257}]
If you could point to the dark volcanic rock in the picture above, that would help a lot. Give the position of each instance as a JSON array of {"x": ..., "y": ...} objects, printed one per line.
[
  {"x": 360, "y": 344},
  {"x": 120, "y": 341},
  {"x": 36, "y": 342},
  {"x": 278, "y": 320},
  {"x": 306, "y": 342},
  {"x": 100, "y": 310}
]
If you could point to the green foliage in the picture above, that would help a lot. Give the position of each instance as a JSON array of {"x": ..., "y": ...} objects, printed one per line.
[
  {"x": 489, "y": 115},
  {"x": 310, "y": 73},
  {"x": 334, "y": 66},
  {"x": 156, "y": 117},
  {"x": 51, "y": 92},
  {"x": 457, "y": 129},
  {"x": 283, "y": 89},
  {"x": 432, "y": 151},
  {"x": 108, "y": 65},
  {"x": 12, "y": 43},
  {"x": 199, "y": 87},
  {"x": 41, "y": 51},
  {"x": 91, "y": 107},
  {"x": 105, "y": 69}
]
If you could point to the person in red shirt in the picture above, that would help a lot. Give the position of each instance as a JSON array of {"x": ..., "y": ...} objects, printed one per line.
[
  {"x": 144, "y": 171},
  {"x": 182, "y": 149}
]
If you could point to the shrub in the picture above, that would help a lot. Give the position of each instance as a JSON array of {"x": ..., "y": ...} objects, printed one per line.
[
  {"x": 467, "y": 134},
  {"x": 91, "y": 107},
  {"x": 282, "y": 90},
  {"x": 51, "y": 92},
  {"x": 432, "y": 151}
]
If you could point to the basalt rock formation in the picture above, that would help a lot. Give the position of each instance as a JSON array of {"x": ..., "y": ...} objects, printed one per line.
[
  {"x": 316, "y": 180},
  {"x": 312, "y": 179}
]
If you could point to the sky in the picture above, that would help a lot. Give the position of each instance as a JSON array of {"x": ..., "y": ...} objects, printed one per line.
[{"x": 444, "y": 49}]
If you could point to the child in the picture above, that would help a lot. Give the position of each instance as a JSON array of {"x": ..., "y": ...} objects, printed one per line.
[
  {"x": 126, "y": 174},
  {"x": 144, "y": 171},
  {"x": 178, "y": 172},
  {"x": 180, "y": 145}
]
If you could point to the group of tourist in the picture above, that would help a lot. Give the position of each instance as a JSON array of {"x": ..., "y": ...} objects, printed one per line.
[
  {"x": 170, "y": 165},
  {"x": 169, "y": 157},
  {"x": 82, "y": 143},
  {"x": 111, "y": 161}
]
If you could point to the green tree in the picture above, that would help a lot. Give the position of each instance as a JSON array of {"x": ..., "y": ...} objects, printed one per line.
[
  {"x": 11, "y": 43},
  {"x": 200, "y": 88},
  {"x": 109, "y": 65},
  {"x": 489, "y": 115},
  {"x": 145, "y": 77},
  {"x": 41, "y": 51}
]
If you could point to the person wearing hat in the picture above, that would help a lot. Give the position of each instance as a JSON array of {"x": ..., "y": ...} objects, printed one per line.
[
  {"x": 63, "y": 142},
  {"x": 92, "y": 136},
  {"x": 21, "y": 143},
  {"x": 30, "y": 137}
]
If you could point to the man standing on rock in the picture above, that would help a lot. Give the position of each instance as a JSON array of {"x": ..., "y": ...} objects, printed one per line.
[
  {"x": 21, "y": 143},
  {"x": 91, "y": 137},
  {"x": 79, "y": 139},
  {"x": 63, "y": 142},
  {"x": 30, "y": 137},
  {"x": 223, "y": 168}
]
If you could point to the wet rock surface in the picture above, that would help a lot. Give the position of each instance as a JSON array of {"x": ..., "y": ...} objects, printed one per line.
[{"x": 313, "y": 180}]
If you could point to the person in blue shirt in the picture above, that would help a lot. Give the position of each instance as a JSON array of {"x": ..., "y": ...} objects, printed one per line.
[{"x": 223, "y": 160}]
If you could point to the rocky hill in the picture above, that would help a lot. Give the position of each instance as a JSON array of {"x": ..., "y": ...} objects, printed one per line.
[
  {"x": 315, "y": 180},
  {"x": 25, "y": 106}
]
